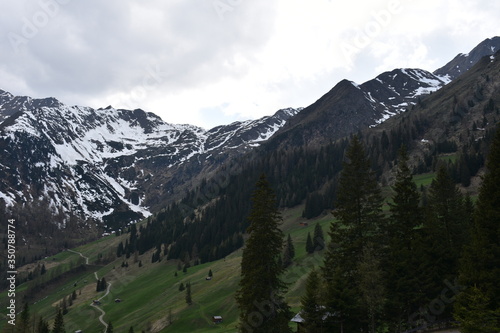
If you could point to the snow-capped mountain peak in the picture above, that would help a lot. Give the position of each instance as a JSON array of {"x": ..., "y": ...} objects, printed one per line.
[{"x": 99, "y": 162}]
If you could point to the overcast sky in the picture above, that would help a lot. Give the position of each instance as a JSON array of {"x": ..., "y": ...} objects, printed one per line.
[{"x": 211, "y": 62}]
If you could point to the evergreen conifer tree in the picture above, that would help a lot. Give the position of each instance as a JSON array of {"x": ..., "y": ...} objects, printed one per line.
[
  {"x": 309, "y": 244},
  {"x": 23, "y": 323},
  {"x": 406, "y": 216},
  {"x": 371, "y": 285},
  {"x": 480, "y": 262},
  {"x": 359, "y": 221},
  {"x": 119, "y": 250},
  {"x": 289, "y": 245},
  {"x": 313, "y": 311},
  {"x": 443, "y": 237},
  {"x": 59, "y": 323},
  {"x": 474, "y": 313},
  {"x": 260, "y": 294},
  {"x": 64, "y": 306},
  {"x": 109, "y": 329},
  {"x": 189, "y": 300},
  {"x": 319, "y": 239},
  {"x": 42, "y": 326},
  {"x": 289, "y": 252}
]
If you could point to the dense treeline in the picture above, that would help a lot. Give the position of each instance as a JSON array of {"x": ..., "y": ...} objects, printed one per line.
[
  {"x": 209, "y": 222},
  {"x": 40, "y": 233},
  {"x": 400, "y": 271},
  {"x": 216, "y": 228},
  {"x": 478, "y": 306}
]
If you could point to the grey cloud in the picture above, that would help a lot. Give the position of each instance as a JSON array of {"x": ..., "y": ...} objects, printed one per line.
[{"x": 91, "y": 48}]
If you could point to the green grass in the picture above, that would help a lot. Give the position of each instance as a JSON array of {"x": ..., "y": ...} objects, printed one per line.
[
  {"x": 448, "y": 158},
  {"x": 424, "y": 179},
  {"x": 150, "y": 294}
]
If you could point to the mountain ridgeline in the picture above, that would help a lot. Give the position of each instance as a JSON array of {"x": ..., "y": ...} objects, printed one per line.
[
  {"x": 68, "y": 167},
  {"x": 451, "y": 127},
  {"x": 63, "y": 168}
]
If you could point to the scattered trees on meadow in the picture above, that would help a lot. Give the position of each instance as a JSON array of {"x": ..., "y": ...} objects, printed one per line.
[{"x": 101, "y": 284}]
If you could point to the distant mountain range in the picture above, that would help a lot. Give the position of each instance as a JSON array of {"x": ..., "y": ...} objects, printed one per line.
[
  {"x": 115, "y": 166},
  {"x": 97, "y": 163},
  {"x": 349, "y": 107}
]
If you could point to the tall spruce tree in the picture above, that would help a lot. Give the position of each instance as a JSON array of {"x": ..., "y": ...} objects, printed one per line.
[
  {"x": 42, "y": 326},
  {"x": 406, "y": 217},
  {"x": 446, "y": 210},
  {"x": 288, "y": 253},
  {"x": 371, "y": 285},
  {"x": 443, "y": 238},
  {"x": 473, "y": 312},
  {"x": 189, "y": 299},
  {"x": 319, "y": 238},
  {"x": 109, "y": 328},
  {"x": 309, "y": 244},
  {"x": 59, "y": 323},
  {"x": 313, "y": 311},
  {"x": 358, "y": 207},
  {"x": 23, "y": 322},
  {"x": 480, "y": 262},
  {"x": 359, "y": 221},
  {"x": 260, "y": 294}
]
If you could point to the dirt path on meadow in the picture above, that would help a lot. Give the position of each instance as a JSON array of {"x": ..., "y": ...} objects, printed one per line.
[
  {"x": 81, "y": 255},
  {"x": 93, "y": 304}
]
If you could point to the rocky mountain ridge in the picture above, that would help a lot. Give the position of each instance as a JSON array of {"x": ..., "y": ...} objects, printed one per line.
[
  {"x": 115, "y": 166},
  {"x": 107, "y": 160}
]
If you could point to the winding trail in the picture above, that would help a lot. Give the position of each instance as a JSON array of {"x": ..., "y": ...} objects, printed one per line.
[
  {"x": 103, "y": 313},
  {"x": 81, "y": 255}
]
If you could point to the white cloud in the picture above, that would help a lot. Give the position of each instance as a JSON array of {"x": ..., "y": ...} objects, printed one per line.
[{"x": 214, "y": 61}]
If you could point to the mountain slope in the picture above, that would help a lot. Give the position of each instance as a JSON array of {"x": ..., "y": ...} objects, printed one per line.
[
  {"x": 456, "y": 121},
  {"x": 350, "y": 107},
  {"x": 119, "y": 165},
  {"x": 109, "y": 164},
  {"x": 463, "y": 62}
]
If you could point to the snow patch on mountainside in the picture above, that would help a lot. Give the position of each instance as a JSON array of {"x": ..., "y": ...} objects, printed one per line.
[
  {"x": 394, "y": 92},
  {"x": 92, "y": 161}
]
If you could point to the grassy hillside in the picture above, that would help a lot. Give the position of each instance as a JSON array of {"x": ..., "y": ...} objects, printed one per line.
[
  {"x": 149, "y": 292},
  {"x": 150, "y": 295}
]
